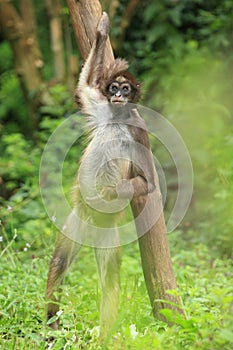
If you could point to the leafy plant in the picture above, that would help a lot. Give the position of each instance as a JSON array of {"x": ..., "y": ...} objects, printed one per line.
[{"x": 205, "y": 286}]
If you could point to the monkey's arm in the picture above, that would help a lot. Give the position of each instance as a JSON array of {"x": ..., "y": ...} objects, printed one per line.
[
  {"x": 135, "y": 187},
  {"x": 92, "y": 69},
  {"x": 87, "y": 89},
  {"x": 140, "y": 183},
  {"x": 125, "y": 189},
  {"x": 142, "y": 179}
]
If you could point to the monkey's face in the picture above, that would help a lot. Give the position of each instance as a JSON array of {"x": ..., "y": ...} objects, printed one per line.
[{"x": 121, "y": 91}]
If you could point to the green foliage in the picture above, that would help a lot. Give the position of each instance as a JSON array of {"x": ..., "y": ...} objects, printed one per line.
[
  {"x": 6, "y": 57},
  {"x": 196, "y": 98},
  {"x": 59, "y": 104},
  {"x": 181, "y": 50},
  {"x": 162, "y": 32},
  {"x": 19, "y": 185},
  {"x": 205, "y": 285},
  {"x": 18, "y": 163},
  {"x": 221, "y": 206},
  {"x": 13, "y": 112}
]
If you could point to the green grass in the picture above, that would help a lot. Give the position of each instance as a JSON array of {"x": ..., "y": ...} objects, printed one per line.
[{"x": 205, "y": 285}]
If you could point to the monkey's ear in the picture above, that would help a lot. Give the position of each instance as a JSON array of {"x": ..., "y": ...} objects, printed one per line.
[{"x": 138, "y": 92}]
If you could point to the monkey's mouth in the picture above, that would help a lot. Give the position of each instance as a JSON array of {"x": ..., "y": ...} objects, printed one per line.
[{"x": 118, "y": 100}]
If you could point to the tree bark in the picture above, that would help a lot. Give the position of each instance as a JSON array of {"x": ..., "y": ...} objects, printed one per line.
[
  {"x": 155, "y": 254},
  {"x": 85, "y": 16},
  {"x": 54, "y": 10},
  {"x": 154, "y": 248},
  {"x": 73, "y": 62},
  {"x": 21, "y": 33},
  {"x": 125, "y": 22}
]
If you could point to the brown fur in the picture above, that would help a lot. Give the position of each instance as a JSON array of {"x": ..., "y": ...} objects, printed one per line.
[
  {"x": 136, "y": 86},
  {"x": 118, "y": 65},
  {"x": 116, "y": 178}
]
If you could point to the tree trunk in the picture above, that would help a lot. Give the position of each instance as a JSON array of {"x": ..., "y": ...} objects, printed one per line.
[
  {"x": 154, "y": 249},
  {"x": 54, "y": 10},
  {"x": 125, "y": 23},
  {"x": 155, "y": 253},
  {"x": 85, "y": 16},
  {"x": 73, "y": 63},
  {"x": 20, "y": 31}
]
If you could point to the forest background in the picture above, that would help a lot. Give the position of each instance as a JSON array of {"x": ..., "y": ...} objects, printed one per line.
[{"x": 182, "y": 52}]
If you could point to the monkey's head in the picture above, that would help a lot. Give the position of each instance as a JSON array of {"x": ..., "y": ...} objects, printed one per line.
[{"x": 122, "y": 88}]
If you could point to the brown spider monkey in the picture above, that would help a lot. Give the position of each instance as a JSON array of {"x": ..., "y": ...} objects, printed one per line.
[{"x": 106, "y": 94}]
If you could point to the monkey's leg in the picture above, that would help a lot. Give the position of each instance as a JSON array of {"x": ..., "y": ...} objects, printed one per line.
[
  {"x": 64, "y": 252},
  {"x": 108, "y": 261}
]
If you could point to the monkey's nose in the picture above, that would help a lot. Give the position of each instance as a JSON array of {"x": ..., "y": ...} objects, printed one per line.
[{"x": 117, "y": 99}]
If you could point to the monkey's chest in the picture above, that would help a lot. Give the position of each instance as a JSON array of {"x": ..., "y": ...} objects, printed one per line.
[{"x": 107, "y": 159}]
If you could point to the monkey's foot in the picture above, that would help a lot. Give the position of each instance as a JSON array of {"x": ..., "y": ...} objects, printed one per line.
[{"x": 104, "y": 25}]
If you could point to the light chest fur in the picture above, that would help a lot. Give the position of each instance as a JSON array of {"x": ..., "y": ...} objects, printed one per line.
[{"x": 107, "y": 158}]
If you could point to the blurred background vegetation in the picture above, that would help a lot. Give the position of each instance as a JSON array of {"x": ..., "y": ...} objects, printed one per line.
[{"x": 182, "y": 52}]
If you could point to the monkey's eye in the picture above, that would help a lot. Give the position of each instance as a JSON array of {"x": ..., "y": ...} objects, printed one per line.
[
  {"x": 113, "y": 88},
  {"x": 126, "y": 89}
]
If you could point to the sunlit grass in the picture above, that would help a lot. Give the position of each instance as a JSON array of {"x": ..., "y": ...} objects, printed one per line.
[{"x": 205, "y": 286}]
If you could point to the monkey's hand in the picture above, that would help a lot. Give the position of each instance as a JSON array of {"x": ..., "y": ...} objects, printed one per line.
[
  {"x": 125, "y": 189},
  {"x": 108, "y": 193},
  {"x": 104, "y": 25}
]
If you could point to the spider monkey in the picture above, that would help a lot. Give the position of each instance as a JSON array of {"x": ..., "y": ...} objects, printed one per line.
[{"x": 106, "y": 94}]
